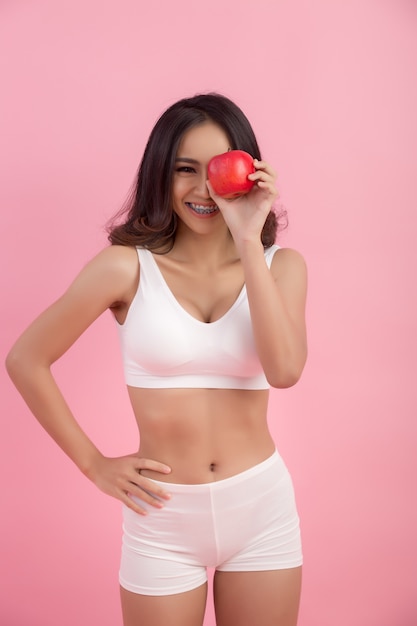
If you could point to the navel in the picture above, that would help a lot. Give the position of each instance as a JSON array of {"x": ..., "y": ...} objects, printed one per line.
[{"x": 212, "y": 467}]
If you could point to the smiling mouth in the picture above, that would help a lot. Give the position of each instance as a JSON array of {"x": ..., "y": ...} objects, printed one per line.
[{"x": 201, "y": 209}]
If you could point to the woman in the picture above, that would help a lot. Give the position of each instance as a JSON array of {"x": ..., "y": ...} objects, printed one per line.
[{"x": 210, "y": 315}]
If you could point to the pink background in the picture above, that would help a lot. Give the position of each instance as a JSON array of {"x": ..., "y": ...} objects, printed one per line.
[{"x": 330, "y": 87}]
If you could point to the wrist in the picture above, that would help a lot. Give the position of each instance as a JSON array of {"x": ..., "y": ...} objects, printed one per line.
[
  {"x": 250, "y": 247},
  {"x": 90, "y": 465}
]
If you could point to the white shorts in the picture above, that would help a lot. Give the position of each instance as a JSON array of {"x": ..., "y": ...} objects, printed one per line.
[{"x": 247, "y": 522}]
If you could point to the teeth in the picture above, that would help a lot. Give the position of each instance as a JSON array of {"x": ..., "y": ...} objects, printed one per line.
[{"x": 199, "y": 208}]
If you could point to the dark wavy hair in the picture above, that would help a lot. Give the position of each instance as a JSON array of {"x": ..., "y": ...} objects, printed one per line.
[{"x": 148, "y": 218}]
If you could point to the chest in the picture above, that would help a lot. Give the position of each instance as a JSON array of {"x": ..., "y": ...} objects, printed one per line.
[
  {"x": 207, "y": 295},
  {"x": 189, "y": 329}
]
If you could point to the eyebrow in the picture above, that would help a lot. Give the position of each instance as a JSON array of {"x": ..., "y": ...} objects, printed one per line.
[{"x": 186, "y": 160}]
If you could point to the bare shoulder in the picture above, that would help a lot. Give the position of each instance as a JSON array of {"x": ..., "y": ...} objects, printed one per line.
[
  {"x": 288, "y": 262},
  {"x": 116, "y": 258},
  {"x": 115, "y": 270}
]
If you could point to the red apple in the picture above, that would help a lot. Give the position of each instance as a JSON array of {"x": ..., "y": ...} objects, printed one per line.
[{"x": 228, "y": 173}]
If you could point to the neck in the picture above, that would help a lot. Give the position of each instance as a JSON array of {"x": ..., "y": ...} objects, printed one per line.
[{"x": 204, "y": 250}]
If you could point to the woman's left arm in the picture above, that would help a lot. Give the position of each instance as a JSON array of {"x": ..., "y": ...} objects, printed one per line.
[
  {"x": 277, "y": 300},
  {"x": 277, "y": 296}
]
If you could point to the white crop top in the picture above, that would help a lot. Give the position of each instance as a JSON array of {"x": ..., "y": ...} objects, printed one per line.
[{"x": 164, "y": 346}]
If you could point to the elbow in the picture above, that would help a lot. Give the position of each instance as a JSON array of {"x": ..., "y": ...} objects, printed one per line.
[
  {"x": 283, "y": 381},
  {"x": 285, "y": 377},
  {"x": 13, "y": 363},
  {"x": 19, "y": 365},
  {"x": 23, "y": 364}
]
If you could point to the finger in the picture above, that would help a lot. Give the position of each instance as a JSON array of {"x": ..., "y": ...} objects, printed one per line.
[
  {"x": 131, "y": 504},
  {"x": 151, "y": 488},
  {"x": 148, "y": 485},
  {"x": 149, "y": 464},
  {"x": 262, "y": 175},
  {"x": 146, "y": 490},
  {"x": 268, "y": 188},
  {"x": 264, "y": 181},
  {"x": 263, "y": 165}
]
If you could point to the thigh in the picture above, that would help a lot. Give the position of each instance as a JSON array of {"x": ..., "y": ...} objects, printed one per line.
[
  {"x": 181, "y": 609},
  {"x": 265, "y": 598}
]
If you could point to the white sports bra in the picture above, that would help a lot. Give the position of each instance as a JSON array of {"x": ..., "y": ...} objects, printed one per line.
[{"x": 164, "y": 346}]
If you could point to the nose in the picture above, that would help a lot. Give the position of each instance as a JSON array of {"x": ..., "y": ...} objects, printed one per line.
[{"x": 201, "y": 185}]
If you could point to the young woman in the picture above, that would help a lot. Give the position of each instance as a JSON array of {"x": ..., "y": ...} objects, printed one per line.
[{"x": 210, "y": 314}]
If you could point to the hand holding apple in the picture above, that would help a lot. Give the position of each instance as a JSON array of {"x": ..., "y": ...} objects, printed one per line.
[
  {"x": 246, "y": 215},
  {"x": 228, "y": 173}
]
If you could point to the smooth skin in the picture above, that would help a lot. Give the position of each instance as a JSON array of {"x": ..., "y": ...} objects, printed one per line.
[{"x": 186, "y": 435}]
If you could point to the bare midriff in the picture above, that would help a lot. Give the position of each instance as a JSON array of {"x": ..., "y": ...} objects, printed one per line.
[{"x": 203, "y": 435}]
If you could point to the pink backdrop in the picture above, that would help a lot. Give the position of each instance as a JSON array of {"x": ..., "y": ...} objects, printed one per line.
[{"x": 330, "y": 87}]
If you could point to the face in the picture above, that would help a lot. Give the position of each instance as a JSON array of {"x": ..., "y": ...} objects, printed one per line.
[{"x": 191, "y": 198}]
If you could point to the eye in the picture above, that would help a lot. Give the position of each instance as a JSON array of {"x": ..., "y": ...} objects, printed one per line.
[{"x": 185, "y": 169}]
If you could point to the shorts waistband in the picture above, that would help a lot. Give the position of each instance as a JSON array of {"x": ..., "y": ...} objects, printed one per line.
[{"x": 272, "y": 460}]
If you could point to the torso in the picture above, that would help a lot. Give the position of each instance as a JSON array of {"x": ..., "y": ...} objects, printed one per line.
[{"x": 202, "y": 434}]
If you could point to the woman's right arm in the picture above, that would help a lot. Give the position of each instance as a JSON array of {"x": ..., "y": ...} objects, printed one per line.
[{"x": 103, "y": 283}]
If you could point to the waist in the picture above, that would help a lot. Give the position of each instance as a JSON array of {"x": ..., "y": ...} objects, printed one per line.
[
  {"x": 272, "y": 460},
  {"x": 203, "y": 435}
]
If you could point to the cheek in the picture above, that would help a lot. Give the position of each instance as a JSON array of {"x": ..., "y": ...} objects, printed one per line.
[
  {"x": 179, "y": 189},
  {"x": 177, "y": 195}
]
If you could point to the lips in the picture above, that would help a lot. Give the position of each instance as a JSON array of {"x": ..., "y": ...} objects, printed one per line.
[{"x": 202, "y": 209}]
